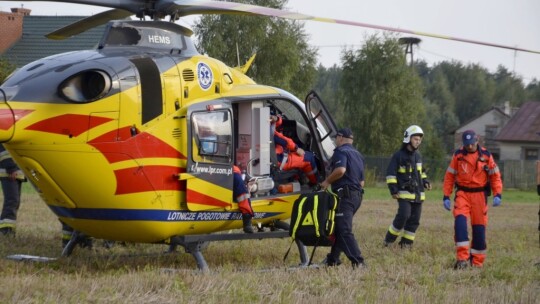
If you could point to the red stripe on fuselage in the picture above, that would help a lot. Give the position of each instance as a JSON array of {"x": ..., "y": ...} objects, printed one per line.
[
  {"x": 203, "y": 199},
  {"x": 148, "y": 178},
  {"x": 8, "y": 118},
  {"x": 141, "y": 145},
  {"x": 68, "y": 124}
]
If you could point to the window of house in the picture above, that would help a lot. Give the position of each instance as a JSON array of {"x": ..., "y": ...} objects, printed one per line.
[{"x": 531, "y": 154}]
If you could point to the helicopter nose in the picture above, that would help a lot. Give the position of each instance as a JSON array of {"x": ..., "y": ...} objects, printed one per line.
[{"x": 7, "y": 119}]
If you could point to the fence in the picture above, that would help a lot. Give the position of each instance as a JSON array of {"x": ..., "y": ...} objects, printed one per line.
[{"x": 517, "y": 174}]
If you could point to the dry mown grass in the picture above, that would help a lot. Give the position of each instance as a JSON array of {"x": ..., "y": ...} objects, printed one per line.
[{"x": 254, "y": 271}]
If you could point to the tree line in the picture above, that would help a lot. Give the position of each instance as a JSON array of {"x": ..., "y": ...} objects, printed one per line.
[{"x": 378, "y": 94}]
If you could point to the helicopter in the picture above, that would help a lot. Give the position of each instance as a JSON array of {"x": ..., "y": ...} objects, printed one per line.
[{"x": 135, "y": 141}]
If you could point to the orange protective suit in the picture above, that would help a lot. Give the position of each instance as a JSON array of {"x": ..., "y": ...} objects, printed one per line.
[
  {"x": 473, "y": 175},
  {"x": 288, "y": 158}
]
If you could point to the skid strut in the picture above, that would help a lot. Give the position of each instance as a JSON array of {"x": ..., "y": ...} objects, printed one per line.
[{"x": 194, "y": 244}]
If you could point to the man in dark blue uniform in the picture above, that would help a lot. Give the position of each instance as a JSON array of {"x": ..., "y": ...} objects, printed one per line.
[{"x": 347, "y": 181}]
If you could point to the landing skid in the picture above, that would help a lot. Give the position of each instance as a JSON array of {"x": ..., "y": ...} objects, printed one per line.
[{"x": 194, "y": 244}]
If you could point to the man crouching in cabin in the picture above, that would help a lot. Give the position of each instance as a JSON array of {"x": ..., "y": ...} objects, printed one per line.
[{"x": 241, "y": 195}]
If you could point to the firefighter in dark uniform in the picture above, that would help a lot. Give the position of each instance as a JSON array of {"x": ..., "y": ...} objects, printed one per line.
[
  {"x": 347, "y": 181},
  {"x": 406, "y": 181},
  {"x": 11, "y": 178}
]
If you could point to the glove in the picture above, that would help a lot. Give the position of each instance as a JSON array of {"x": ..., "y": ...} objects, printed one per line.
[
  {"x": 497, "y": 200},
  {"x": 446, "y": 203}
]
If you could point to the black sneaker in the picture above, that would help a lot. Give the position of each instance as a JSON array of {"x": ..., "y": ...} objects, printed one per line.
[
  {"x": 461, "y": 264},
  {"x": 405, "y": 245},
  {"x": 330, "y": 263},
  {"x": 7, "y": 231},
  {"x": 359, "y": 266}
]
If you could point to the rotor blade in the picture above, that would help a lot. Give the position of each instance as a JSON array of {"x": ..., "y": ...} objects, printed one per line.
[
  {"x": 193, "y": 7},
  {"x": 128, "y": 5},
  {"x": 88, "y": 23}
]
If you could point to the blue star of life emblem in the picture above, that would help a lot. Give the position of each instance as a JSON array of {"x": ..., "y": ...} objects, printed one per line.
[{"x": 205, "y": 76}]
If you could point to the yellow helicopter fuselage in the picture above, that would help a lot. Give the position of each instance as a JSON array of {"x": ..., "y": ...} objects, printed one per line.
[{"x": 133, "y": 144}]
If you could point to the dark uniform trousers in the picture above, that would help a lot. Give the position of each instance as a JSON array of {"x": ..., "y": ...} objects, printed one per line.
[
  {"x": 345, "y": 241},
  {"x": 12, "y": 201},
  {"x": 407, "y": 218}
]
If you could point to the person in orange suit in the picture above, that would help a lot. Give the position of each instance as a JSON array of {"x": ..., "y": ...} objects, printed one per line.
[
  {"x": 290, "y": 156},
  {"x": 474, "y": 174}
]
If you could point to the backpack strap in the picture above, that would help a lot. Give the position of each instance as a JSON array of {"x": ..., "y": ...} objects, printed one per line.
[{"x": 300, "y": 217}]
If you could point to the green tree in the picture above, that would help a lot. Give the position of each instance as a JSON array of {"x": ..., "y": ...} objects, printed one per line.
[
  {"x": 533, "y": 91},
  {"x": 441, "y": 109},
  {"x": 382, "y": 95},
  {"x": 6, "y": 68},
  {"x": 508, "y": 88},
  {"x": 327, "y": 86},
  {"x": 284, "y": 58}
]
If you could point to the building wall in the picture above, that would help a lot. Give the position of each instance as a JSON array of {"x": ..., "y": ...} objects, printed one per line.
[
  {"x": 510, "y": 151},
  {"x": 11, "y": 25},
  {"x": 493, "y": 119},
  {"x": 516, "y": 151}
]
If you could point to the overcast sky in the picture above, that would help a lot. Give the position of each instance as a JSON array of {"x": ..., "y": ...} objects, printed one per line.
[{"x": 507, "y": 22}]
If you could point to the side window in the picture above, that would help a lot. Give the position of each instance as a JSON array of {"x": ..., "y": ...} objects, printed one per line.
[{"x": 212, "y": 139}]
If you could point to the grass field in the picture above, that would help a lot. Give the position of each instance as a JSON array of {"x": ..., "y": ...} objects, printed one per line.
[{"x": 254, "y": 271}]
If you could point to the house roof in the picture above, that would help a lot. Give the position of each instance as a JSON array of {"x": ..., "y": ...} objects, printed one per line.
[
  {"x": 494, "y": 109},
  {"x": 33, "y": 44},
  {"x": 524, "y": 126}
]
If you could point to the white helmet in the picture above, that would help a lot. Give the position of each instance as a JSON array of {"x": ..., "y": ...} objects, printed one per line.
[{"x": 412, "y": 130}]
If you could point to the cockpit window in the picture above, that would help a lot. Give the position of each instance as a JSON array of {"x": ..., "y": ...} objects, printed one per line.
[{"x": 212, "y": 137}]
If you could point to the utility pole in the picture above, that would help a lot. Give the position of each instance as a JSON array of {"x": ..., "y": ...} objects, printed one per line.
[{"x": 409, "y": 42}]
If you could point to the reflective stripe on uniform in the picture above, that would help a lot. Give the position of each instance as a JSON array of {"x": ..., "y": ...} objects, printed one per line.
[
  {"x": 4, "y": 155},
  {"x": 475, "y": 251},
  {"x": 493, "y": 171},
  {"x": 284, "y": 161},
  {"x": 408, "y": 235},
  {"x": 242, "y": 197},
  {"x": 7, "y": 223},
  {"x": 406, "y": 195},
  {"x": 66, "y": 234},
  {"x": 451, "y": 170},
  {"x": 18, "y": 174},
  {"x": 394, "y": 231},
  {"x": 402, "y": 169},
  {"x": 462, "y": 244},
  {"x": 391, "y": 179}
]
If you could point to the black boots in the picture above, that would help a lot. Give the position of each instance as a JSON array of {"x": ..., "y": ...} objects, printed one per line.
[
  {"x": 7, "y": 231},
  {"x": 246, "y": 219}
]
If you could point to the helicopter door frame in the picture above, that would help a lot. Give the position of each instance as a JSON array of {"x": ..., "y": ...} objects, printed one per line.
[
  {"x": 210, "y": 158},
  {"x": 320, "y": 119}
]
